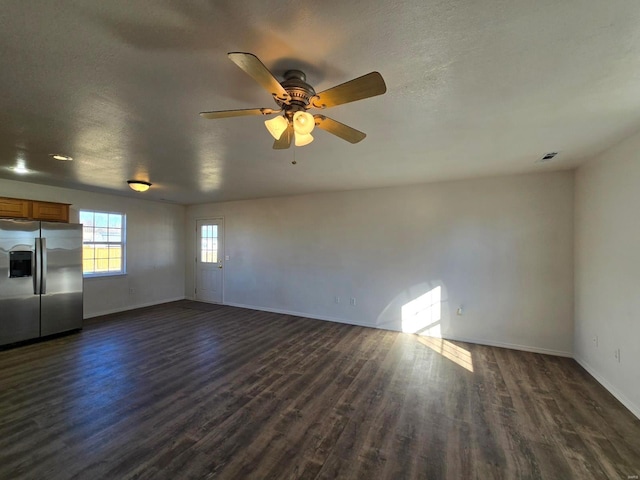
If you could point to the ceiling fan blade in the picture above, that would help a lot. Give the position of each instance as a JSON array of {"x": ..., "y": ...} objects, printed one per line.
[
  {"x": 341, "y": 130},
  {"x": 284, "y": 141},
  {"x": 368, "y": 85},
  {"x": 238, "y": 113},
  {"x": 261, "y": 74}
]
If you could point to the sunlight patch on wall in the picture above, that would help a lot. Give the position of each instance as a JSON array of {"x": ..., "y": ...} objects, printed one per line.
[
  {"x": 449, "y": 350},
  {"x": 422, "y": 315}
]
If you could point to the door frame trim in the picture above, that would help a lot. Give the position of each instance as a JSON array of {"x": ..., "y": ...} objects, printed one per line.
[{"x": 220, "y": 219}]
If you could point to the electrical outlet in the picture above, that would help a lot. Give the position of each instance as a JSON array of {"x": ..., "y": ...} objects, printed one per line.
[
  {"x": 616, "y": 354},
  {"x": 353, "y": 302},
  {"x": 595, "y": 341},
  {"x": 460, "y": 310},
  {"x": 336, "y": 299}
]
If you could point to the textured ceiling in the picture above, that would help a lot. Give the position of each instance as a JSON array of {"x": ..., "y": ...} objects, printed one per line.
[{"x": 473, "y": 89}]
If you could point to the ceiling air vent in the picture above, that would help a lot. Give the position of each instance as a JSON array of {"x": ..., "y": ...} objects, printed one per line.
[{"x": 547, "y": 157}]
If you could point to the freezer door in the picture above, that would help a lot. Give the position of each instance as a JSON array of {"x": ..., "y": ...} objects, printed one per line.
[
  {"x": 19, "y": 298},
  {"x": 61, "y": 299}
]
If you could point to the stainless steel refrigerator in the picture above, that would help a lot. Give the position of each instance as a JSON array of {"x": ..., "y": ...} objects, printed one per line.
[{"x": 40, "y": 279}]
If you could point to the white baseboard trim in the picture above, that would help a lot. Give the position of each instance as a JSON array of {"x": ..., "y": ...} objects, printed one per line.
[
  {"x": 301, "y": 314},
  {"x": 621, "y": 397},
  {"x": 512, "y": 346},
  {"x": 489, "y": 343},
  {"x": 131, "y": 307}
]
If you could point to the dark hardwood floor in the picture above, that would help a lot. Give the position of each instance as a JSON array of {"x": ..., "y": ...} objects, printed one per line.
[{"x": 189, "y": 390}]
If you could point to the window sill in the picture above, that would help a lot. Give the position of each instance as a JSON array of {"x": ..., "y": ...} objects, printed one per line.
[{"x": 103, "y": 275}]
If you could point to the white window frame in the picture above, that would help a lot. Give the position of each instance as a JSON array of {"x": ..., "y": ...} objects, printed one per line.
[{"x": 122, "y": 243}]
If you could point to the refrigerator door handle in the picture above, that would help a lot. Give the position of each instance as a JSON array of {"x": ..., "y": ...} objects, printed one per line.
[
  {"x": 35, "y": 267},
  {"x": 43, "y": 265}
]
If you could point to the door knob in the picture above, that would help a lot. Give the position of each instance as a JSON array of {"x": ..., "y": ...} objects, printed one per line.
[{"x": 220, "y": 266}]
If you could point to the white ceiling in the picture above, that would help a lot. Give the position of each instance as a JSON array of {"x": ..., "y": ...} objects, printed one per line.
[{"x": 473, "y": 89}]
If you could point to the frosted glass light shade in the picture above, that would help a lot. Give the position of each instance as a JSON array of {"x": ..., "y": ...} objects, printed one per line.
[
  {"x": 302, "y": 140},
  {"x": 276, "y": 126},
  {"x": 138, "y": 185},
  {"x": 303, "y": 122}
]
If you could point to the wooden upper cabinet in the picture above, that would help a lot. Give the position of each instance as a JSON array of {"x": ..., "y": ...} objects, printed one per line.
[
  {"x": 53, "y": 212},
  {"x": 33, "y": 209},
  {"x": 15, "y": 208}
]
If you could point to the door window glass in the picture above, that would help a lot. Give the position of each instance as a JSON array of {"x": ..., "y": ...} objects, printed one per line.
[{"x": 209, "y": 244}]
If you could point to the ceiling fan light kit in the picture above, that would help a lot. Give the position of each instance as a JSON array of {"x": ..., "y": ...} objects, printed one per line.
[
  {"x": 295, "y": 96},
  {"x": 303, "y": 123},
  {"x": 302, "y": 140},
  {"x": 276, "y": 126}
]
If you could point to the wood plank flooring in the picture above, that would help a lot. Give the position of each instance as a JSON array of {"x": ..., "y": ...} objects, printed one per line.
[{"x": 189, "y": 390}]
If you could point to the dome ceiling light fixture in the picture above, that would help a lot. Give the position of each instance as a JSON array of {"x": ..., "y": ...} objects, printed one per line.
[
  {"x": 294, "y": 96},
  {"x": 62, "y": 158},
  {"x": 139, "y": 185}
]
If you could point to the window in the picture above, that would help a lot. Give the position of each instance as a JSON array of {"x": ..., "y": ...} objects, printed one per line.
[
  {"x": 103, "y": 243},
  {"x": 209, "y": 244}
]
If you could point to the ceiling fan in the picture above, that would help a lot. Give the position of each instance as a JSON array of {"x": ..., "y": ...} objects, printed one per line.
[{"x": 295, "y": 96}]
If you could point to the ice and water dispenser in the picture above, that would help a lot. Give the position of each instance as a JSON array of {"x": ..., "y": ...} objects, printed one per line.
[{"x": 20, "y": 264}]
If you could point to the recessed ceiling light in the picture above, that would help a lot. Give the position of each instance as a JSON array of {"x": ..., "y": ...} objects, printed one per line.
[{"x": 63, "y": 158}]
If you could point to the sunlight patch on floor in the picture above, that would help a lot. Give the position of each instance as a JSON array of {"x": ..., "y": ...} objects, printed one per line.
[{"x": 449, "y": 350}]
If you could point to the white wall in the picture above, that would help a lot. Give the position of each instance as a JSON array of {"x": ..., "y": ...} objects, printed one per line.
[
  {"x": 502, "y": 247},
  {"x": 155, "y": 247},
  {"x": 608, "y": 270}
]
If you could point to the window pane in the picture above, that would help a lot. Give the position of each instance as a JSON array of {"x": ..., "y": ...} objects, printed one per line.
[
  {"x": 115, "y": 221},
  {"x": 114, "y": 234},
  {"x": 101, "y": 251},
  {"x": 86, "y": 218},
  {"x": 102, "y": 265},
  {"x": 209, "y": 255},
  {"x": 87, "y": 252},
  {"x": 87, "y": 234},
  {"x": 114, "y": 264},
  {"x": 100, "y": 234},
  {"x": 88, "y": 266},
  {"x": 102, "y": 219}
]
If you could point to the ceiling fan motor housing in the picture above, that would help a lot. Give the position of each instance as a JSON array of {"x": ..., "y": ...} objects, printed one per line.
[{"x": 300, "y": 91}]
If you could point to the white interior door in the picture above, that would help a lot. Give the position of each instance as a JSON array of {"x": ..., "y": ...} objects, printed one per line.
[{"x": 210, "y": 253}]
